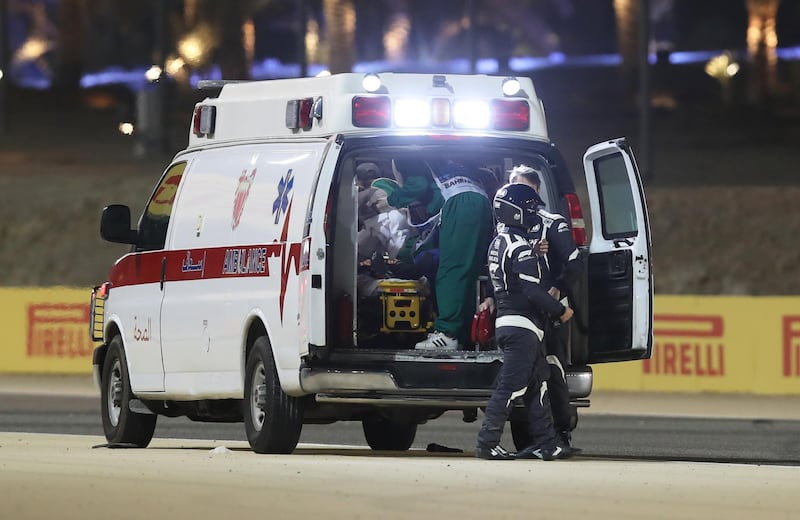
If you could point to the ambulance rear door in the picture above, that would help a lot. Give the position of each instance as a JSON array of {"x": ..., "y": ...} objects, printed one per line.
[
  {"x": 620, "y": 271},
  {"x": 318, "y": 234}
]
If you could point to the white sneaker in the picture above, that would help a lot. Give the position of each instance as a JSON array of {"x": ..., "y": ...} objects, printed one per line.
[{"x": 437, "y": 340}]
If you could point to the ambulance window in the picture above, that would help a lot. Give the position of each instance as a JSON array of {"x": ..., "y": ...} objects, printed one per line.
[
  {"x": 155, "y": 219},
  {"x": 616, "y": 199}
]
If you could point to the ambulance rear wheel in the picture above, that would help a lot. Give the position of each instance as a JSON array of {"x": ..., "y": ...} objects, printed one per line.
[
  {"x": 272, "y": 419},
  {"x": 520, "y": 432},
  {"x": 382, "y": 434},
  {"x": 120, "y": 424}
]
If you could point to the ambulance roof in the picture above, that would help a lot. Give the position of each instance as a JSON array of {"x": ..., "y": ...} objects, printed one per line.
[{"x": 397, "y": 103}]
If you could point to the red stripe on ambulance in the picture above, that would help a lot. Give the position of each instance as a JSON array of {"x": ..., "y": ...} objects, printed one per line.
[{"x": 208, "y": 264}]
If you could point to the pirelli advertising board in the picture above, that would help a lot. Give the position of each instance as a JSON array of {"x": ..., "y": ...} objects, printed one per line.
[
  {"x": 702, "y": 343},
  {"x": 46, "y": 330},
  {"x": 716, "y": 344}
]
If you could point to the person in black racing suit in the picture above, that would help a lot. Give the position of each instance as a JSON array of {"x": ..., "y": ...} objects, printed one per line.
[
  {"x": 523, "y": 307},
  {"x": 561, "y": 265}
]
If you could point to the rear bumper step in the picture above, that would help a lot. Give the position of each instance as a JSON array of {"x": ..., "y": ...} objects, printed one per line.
[{"x": 376, "y": 384}]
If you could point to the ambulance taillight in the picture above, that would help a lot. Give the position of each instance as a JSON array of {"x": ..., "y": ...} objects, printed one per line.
[{"x": 576, "y": 219}]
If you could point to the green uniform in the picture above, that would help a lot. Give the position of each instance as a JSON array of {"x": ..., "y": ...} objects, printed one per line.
[
  {"x": 466, "y": 231},
  {"x": 417, "y": 189}
]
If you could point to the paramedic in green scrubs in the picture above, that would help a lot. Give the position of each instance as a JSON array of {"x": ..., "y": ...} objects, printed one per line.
[{"x": 466, "y": 229}]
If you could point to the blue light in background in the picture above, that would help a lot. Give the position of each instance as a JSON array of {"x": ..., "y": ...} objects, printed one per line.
[
  {"x": 272, "y": 68},
  {"x": 686, "y": 57}
]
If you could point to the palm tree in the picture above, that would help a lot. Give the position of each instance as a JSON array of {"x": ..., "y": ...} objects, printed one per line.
[
  {"x": 229, "y": 20},
  {"x": 626, "y": 13},
  {"x": 72, "y": 29},
  {"x": 340, "y": 28},
  {"x": 395, "y": 37},
  {"x": 762, "y": 42}
]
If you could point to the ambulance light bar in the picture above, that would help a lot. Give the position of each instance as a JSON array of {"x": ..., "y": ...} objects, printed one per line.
[
  {"x": 497, "y": 114},
  {"x": 372, "y": 112},
  {"x": 371, "y": 83},
  {"x": 511, "y": 86}
]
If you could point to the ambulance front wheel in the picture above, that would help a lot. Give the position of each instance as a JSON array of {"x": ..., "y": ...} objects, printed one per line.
[
  {"x": 120, "y": 424},
  {"x": 382, "y": 434},
  {"x": 272, "y": 419}
]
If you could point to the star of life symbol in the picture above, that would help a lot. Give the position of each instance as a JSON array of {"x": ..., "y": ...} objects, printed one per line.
[
  {"x": 282, "y": 201},
  {"x": 240, "y": 197}
]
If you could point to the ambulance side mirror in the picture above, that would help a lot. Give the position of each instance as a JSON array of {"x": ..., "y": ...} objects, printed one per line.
[{"x": 115, "y": 225}]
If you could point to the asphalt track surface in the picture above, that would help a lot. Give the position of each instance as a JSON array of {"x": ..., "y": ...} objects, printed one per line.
[{"x": 645, "y": 456}]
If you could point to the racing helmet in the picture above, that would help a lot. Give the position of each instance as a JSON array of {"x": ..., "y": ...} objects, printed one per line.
[{"x": 515, "y": 205}]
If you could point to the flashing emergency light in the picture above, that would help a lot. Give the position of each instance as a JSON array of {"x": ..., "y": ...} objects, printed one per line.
[
  {"x": 371, "y": 82},
  {"x": 440, "y": 112},
  {"x": 471, "y": 114},
  {"x": 510, "y": 114},
  {"x": 498, "y": 114},
  {"x": 372, "y": 112},
  {"x": 412, "y": 113},
  {"x": 511, "y": 86}
]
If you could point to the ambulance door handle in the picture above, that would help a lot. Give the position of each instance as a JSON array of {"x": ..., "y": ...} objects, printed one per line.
[{"x": 163, "y": 271}]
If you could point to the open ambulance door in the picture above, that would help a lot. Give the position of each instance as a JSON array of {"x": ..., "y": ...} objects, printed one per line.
[
  {"x": 620, "y": 274},
  {"x": 317, "y": 279}
]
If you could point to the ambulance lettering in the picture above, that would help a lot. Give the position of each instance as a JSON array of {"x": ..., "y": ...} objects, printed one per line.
[
  {"x": 141, "y": 331},
  {"x": 189, "y": 266},
  {"x": 245, "y": 261},
  {"x": 791, "y": 346},
  {"x": 698, "y": 349}
]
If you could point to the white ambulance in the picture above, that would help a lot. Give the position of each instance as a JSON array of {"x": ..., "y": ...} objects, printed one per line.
[{"x": 242, "y": 297}]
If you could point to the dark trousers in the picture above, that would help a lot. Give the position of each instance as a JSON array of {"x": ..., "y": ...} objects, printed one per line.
[
  {"x": 524, "y": 371},
  {"x": 555, "y": 340}
]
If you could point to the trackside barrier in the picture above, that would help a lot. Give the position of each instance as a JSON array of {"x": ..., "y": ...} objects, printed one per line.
[
  {"x": 702, "y": 343},
  {"x": 45, "y": 330},
  {"x": 716, "y": 344}
]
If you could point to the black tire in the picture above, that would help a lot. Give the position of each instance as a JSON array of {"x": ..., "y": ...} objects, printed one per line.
[
  {"x": 120, "y": 424},
  {"x": 573, "y": 417},
  {"x": 382, "y": 434},
  {"x": 272, "y": 419},
  {"x": 520, "y": 433}
]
